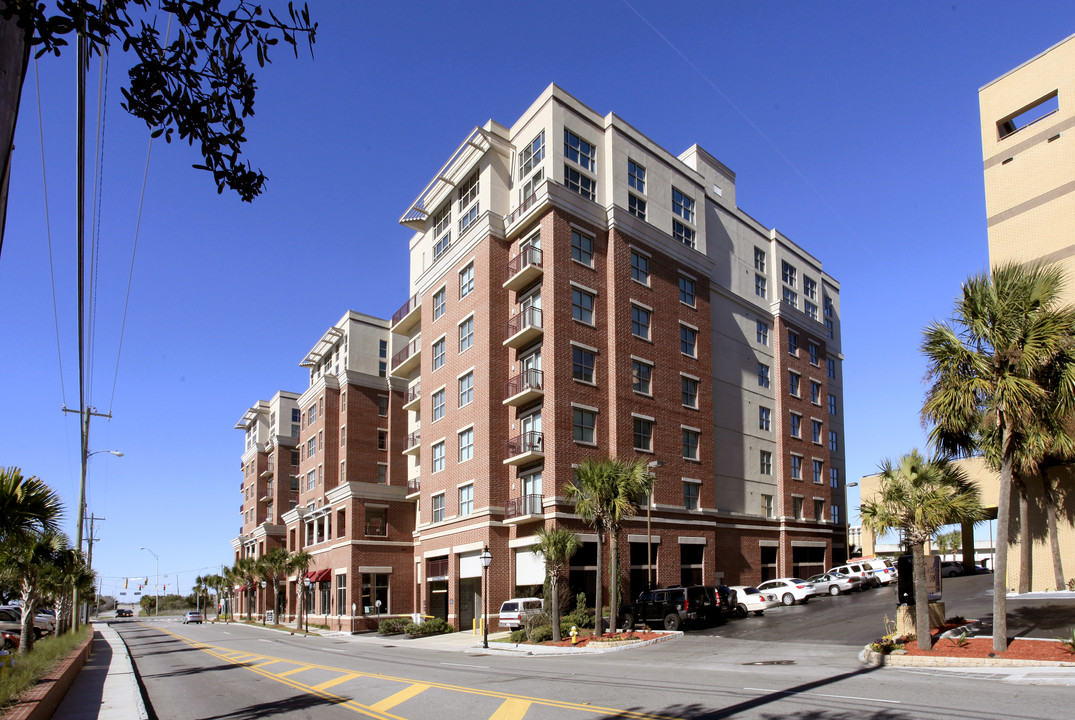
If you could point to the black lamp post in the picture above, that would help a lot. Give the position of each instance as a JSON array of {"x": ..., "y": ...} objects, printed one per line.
[
  {"x": 487, "y": 558},
  {"x": 306, "y": 604},
  {"x": 264, "y": 603}
]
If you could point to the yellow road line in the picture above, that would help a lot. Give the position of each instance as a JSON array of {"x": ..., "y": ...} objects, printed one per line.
[
  {"x": 336, "y": 681},
  {"x": 292, "y": 672},
  {"x": 269, "y": 662},
  {"x": 402, "y": 696},
  {"x": 511, "y": 709}
]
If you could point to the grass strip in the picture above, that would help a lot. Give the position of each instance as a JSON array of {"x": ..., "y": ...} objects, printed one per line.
[{"x": 48, "y": 652}]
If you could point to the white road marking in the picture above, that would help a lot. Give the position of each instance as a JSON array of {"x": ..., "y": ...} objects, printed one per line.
[
  {"x": 482, "y": 667},
  {"x": 825, "y": 695}
]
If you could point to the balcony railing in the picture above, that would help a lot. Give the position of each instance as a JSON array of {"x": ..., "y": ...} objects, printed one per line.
[
  {"x": 523, "y": 207},
  {"x": 378, "y": 528},
  {"x": 523, "y": 269},
  {"x": 408, "y": 307},
  {"x": 524, "y": 505},
  {"x": 523, "y": 327},
  {"x": 414, "y": 485},
  {"x": 526, "y": 385},
  {"x": 413, "y": 393},
  {"x": 528, "y": 442},
  {"x": 412, "y": 440},
  {"x": 407, "y": 359}
]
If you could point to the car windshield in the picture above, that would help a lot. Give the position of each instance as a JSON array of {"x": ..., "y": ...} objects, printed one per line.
[{"x": 509, "y": 607}]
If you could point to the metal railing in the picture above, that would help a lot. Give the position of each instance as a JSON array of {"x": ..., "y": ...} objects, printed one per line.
[
  {"x": 404, "y": 311},
  {"x": 413, "y": 393},
  {"x": 530, "y": 379},
  {"x": 412, "y": 440},
  {"x": 525, "y": 205},
  {"x": 530, "y": 317},
  {"x": 523, "y": 505},
  {"x": 412, "y": 347},
  {"x": 527, "y": 442},
  {"x": 529, "y": 256},
  {"x": 378, "y": 528},
  {"x": 414, "y": 485}
]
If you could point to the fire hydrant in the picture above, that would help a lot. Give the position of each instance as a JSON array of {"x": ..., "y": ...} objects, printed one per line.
[{"x": 574, "y": 635}]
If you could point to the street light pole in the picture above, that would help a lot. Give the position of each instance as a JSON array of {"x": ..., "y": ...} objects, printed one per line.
[
  {"x": 76, "y": 610},
  {"x": 487, "y": 559},
  {"x": 306, "y": 602},
  {"x": 156, "y": 586},
  {"x": 649, "y": 520},
  {"x": 264, "y": 603}
]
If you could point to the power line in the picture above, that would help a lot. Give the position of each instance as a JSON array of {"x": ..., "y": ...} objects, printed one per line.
[{"x": 95, "y": 225}]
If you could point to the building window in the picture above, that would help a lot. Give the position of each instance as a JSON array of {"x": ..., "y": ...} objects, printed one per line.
[
  {"x": 641, "y": 373},
  {"x": 832, "y": 368},
  {"x": 793, "y": 343},
  {"x": 585, "y": 424},
  {"x": 466, "y": 444},
  {"x": 382, "y": 439},
  {"x": 686, "y": 291},
  {"x": 819, "y": 472},
  {"x": 765, "y": 418},
  {"x": 636, "y": 206},
  {"x": 466, "y": 499},
  {"x": 796, "y": 424},
  {"x": 466, "y": 281},
  {"x": 787, "y": 273},
  {"x": 688, "y": 341},
  {"x": 311, "y": 447},
  {"x": 815, "y": 426},
  {"x": 579, "y": 151},
  {"x": 682, "y": 205},
  {"x": 639, "y": 267},
  {"x": 809, "y": 288},
  {"x": 834, "y": 442},
  {"x": 582, "y": 304},
  {"x": 797, "y": 508},
  {"x": 438, "y": 508},
  {"x": 468, "y": 205},
  {"x": 759, "y": 285},
  {"x": 834, "y": 477},
  {"x": 582, "y": 248},
  {"x": 440, "y": 302},
  {"x": 530, "y": 186},
  {"x": 835, "y": 514},
  {"x": 438, "y": 405},
  {"x": 312, "y": 415},
  {"x": 682, "y": 233},
  {"x": 438, "y": 457},
  {"x": 791, "y": 299},
  {"x": 382, "y": 474},
  {"x": 796, "y": 467},
  {"x": 438, "y": 354},
  {"x": 582, "y": 364},
  {"x": 343, "y": 436},
  {"x": 815, "y": 392},
  {"x": 442, "y": 231},
  {"x": 311, "y": 480},
  {"x": 689, "y": 392},
  {"x": 810, "y": 309},
  {"x": 759, "y": 259},
  {"x": 763, "y": 375},
  {"x": 382, "y": 368},
  {"x": 763, "y": 333},
  {"x": 793, "y": 383},
  {"x": 832, "y": 404},
  {"x": 466, "y": 334},
  {"x": 640, "y": 319},
  {"x": 579, "y": 183},
  {"x": 636, "y": 176},
  {"x": 690, "y": 495},
  {"x": 643, "y": 434},
  {"x": 814, "y": 352},
  {"x": 767, "y": 505},
  {"x": 466, "y": 389},
  {"x": 765, "y": 462},
  {"x": 532, "y": 155},
  {"x": 690, "y": 444}
]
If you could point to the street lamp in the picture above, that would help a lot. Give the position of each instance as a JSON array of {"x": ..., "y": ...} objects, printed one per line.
[
  {"x": 487, "y": 558},
  {"x": 306, "y": 603},
  {"x": 75, "y": 606},
  {"x": 649, "y": 520},
  {"x": 264, "y": 602},
  {"x": 156, "y": 586}
]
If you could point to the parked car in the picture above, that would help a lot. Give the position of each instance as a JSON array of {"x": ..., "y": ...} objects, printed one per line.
[
  {"x": 835, "y": 583},
  {"x": 789, "y": 590},
  {"x": 10, "y": 621},
  {"x": 192, "y": 616},
  {"x": 669, "y": 608},
  {"x": 514, "y": 612},
  {"x": 951, "y": 568},
  {"x": 724, "y": 599},
  {"x": 43, "y": 622},
  {"x": 860, "y": 570},
  {"x": 752, "y": 600},
  {"x": 874, "y": 570},
  {"x": 9, "y": 640},
  {"x": 124, "y": 612}
]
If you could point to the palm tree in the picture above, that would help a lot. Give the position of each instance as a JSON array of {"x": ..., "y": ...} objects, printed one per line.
[
  {"x": 299, "y": 563},
  {"x": 986, "y": 389},
  {"x": 246, "y": 572},
  {"x": 216, "y": 583},
  {"x": 273, "y": 567},
  {"x": 556, "y": 546},
  {"x": 230, "y": 577},
  {"x": 24, "y": 559},
  {"x": 918, "y": 497},
  {"x": 604, "y": 493},
  {"x": 27, "y": 505}
]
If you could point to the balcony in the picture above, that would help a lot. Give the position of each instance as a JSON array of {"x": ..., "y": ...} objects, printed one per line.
[
  {"x": 412, "y": 396},
  {"x": 524, "y": 508},
  {"x": 413, "y": 443},
  {"x": 407, "y": 316},
  {"x": 528, "y": 447},
  {"x": 377, "y": 527},
  {"x": 524, "y": 388},
  {"x": 524, "y": 328},
  {"x": 523, "y": 269},
  {"x": 414, "y": 486},
  {"x": 407, "y": 360}
]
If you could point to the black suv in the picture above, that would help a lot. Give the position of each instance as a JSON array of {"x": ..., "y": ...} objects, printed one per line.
[{"x": 694, "y": 605}]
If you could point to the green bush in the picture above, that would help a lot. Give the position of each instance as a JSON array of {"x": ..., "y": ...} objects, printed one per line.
[
  {"x": 518, "y": 636},
  {"x": 393, "y": 626},
  {"x": 541, "y": 634},
  {"x": 30, "y": 668},
  {"x": 433, "y": 626}
]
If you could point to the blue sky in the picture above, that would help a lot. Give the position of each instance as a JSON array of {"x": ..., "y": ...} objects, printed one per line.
[{"x": 852, "y": 127}]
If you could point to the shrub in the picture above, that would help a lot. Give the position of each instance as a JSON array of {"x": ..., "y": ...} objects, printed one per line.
[
  {"x": 433, "y": 626},
  {"x": 518, "y": 636},
  {"x": 393, "y": 626},
  {"x": 541, "y": 634},
  {"x": 29, "y": 669},
  {"x": 1071, "y": 584}
]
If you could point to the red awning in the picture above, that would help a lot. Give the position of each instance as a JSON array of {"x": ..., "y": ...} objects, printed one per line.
[{"x": 315, "y": 576}]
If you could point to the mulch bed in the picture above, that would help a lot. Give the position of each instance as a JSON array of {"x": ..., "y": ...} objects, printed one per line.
[
  {"x": 584, "y": 640},
  {"x": 982, "y": 647}
]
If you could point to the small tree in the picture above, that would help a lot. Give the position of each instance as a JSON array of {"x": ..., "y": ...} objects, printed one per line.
[
  {"x": 557, "y": 546},
  {"x": 919, "y": 496},
  {"x": 273, "y": 567},
  {"x": 299, "y": 563},
  {"x": 246, "y": 573}
]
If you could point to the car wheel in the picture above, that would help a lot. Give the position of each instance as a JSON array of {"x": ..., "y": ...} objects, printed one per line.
[
  {"x": 788, "y": 599},
  {"x": 833, "y": 590},
  {"x": 671, "y": 621},
  {"x": 759, "y": 612},
  {"x": 875, "y": 581},
  {"x": 741, "y": 610},
  {"x": 37, "y": 634},
  {"x": 628, "y": 622}
]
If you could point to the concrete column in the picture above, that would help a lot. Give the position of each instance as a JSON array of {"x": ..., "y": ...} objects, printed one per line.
[{"x": 968, "y": 544}]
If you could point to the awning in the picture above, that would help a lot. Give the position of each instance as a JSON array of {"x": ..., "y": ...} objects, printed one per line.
[{"x": 319, "y": 575}]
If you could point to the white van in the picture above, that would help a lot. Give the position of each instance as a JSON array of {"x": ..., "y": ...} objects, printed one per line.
[
  {"x": 874, "y": 571},
  {"x": 513, "y": 612}
]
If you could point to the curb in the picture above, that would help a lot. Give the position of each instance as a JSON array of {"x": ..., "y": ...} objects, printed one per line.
[
  {"x": 41, "y": 701},
  {"x": 547, "y": 650},
  {"x": 870, "y": 657}
]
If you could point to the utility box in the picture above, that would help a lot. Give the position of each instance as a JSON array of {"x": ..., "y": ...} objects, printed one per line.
[{"x": 905, "y": 579}]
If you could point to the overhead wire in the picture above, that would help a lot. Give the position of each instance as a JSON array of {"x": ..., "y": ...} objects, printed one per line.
[{"x": 95, "y": 222}]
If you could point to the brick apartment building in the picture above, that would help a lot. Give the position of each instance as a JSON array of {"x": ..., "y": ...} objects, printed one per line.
[{"x": 576, "y": 291}]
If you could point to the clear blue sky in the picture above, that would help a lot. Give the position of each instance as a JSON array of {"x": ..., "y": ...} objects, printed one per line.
[{"x": 852, "y": 127}]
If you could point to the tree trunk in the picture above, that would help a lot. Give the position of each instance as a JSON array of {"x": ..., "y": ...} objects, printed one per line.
[
  {"x": 1024, "y": 538},
  {"x": 921, "y": 597},
  {"x": 1054, "y": 541},
  {"x": 554, "y": 602},
  {"x": 1000, "y": 567},
  {"x": 613, "y": 579},
  {"x": 28, "y": 596},
  {"x": 301, "y": 592},
  {"x": 599, "y": 614}
]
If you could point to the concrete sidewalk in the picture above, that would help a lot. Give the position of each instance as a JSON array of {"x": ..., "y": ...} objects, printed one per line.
[{"x": 107, "y": 686}]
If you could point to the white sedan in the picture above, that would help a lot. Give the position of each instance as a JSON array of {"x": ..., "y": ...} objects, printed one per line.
[
  {"x": 835, "y": 583},
  {"x": 789, "y": 590},
  {"x": 752, "y": 600}
]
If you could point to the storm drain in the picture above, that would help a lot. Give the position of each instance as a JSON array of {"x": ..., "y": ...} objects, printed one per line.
[{"x": 771, "y": 662}]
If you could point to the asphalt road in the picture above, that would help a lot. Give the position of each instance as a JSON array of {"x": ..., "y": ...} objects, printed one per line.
[{"x": 227, "y": 672}]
